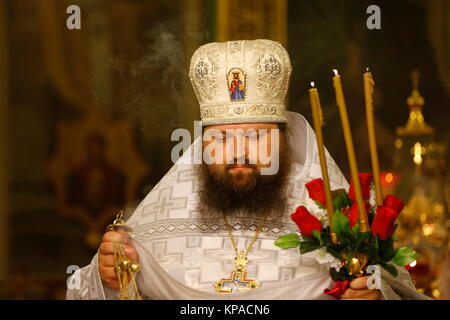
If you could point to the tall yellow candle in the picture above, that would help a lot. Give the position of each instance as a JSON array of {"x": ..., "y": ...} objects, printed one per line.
[
  {"x": 364, "y": 225},
  {"x": 368, "y": 92},
  {"x": 318, "y": 123}
]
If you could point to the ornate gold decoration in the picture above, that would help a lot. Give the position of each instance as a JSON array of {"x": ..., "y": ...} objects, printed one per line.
[
  {"x": 118, "y": 224},
  {"x": 238, "y": 276},
  {"x": 421, "y": 225},
  {"x": 125, "y": 269},
  {"x": 416, "y": 124},
  {"x": 357, "y": 263}
]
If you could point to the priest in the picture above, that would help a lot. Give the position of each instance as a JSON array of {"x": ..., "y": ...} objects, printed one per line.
[{"x": 207, "y": 229}]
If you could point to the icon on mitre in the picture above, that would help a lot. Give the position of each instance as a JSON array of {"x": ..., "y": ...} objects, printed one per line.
[{"x": 236, "y": 84}]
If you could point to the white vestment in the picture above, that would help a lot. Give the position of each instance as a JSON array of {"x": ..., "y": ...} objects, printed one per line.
[{"x": 181, "y": 256}]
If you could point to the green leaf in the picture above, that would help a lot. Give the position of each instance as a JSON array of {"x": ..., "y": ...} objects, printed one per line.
[
  {"x": 362, "y": 236},
  {"x": 340, "y": 199},
  {"x": 335, "y": 251},
  {"x": 337, "y": 203},
  {"x": 404, "y": 256},
  {"x": 311, "y": 239},
  {"x": 290, "y": 240},
  {"x": 307, "y": 239},
  {"x": 355, "y": 228},
  {"x": 349, "y": 258},
  {"x": 390, "y": 268},
  {"x": 369, "y": 249},
  {"x": 377, "y": 245},
  {"x": 317, "y": 235},
  {"x": 386, "y": 251},
  {"x": 348, "y": 238},
  {"x": 340, "y": 223},
  {"x": 337, "y": 193},
  {"x": 306, "y": 247},
  {"x": 347, "y": 201},
  {"x": 340, "y": 275}
]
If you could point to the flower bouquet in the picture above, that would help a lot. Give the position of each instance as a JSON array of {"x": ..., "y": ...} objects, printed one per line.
[
  {"x": 346, "y": 248},
  {"x": 348, "y": 230}
]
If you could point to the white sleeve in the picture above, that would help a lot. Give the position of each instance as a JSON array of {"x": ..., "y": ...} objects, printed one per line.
[
  {"x": 85, "y": 284},
  {"x": 400, "y": 287}
]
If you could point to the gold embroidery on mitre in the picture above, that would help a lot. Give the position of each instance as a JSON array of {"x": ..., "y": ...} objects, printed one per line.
[{"x": 256, "y": 74}]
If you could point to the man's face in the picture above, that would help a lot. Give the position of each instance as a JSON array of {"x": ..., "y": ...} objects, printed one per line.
[
  {"x": 243, "y": 150},
  {"x": 249, "y": 172},
  {"x": 236, "y": 76}
]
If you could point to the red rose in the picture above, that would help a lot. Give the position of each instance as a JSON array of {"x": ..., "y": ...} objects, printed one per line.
[
  {"x": 305, "y": 221},
  {"x": 353, "y": 214},
  {"x": 364, "y": 179},
  {"x": 316, "y": 191},
  {"x": 383, "y": 222},
  {"x": 394, "y": 203}
]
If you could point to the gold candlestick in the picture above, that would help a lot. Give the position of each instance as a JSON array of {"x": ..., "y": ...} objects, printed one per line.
[
  {"x": 364, "y": 225},
  {"x": 318, "y": 123},
  {"x": 368, "y": 92}
]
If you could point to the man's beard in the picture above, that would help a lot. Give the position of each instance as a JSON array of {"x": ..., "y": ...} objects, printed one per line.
[{"x": 261, "y": 196}]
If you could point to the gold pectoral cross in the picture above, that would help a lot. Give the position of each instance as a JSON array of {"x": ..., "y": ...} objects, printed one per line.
[{"x": 237, "y": 281}]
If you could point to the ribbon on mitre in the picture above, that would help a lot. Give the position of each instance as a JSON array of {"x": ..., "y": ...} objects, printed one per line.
[{"x": 338, "y": 289}]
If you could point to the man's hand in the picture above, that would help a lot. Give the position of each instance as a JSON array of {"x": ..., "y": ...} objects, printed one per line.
[
  {"x": 106, "y": 256},
  {"x": 358, "y": 291}
]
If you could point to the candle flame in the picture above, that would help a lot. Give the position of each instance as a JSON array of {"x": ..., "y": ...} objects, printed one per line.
[
  {"x": 335, "y": 72},
  {"x": 312, "y": 84}
]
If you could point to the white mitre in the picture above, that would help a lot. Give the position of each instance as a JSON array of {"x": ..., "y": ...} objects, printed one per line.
[{"x": 241, "y": 81}]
